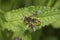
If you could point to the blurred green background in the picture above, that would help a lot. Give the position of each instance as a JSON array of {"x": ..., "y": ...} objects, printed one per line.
[{"x": 50, "y": 32}]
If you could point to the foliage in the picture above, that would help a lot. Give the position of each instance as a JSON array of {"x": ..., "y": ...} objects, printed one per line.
[{"x": 12, "y": 19}]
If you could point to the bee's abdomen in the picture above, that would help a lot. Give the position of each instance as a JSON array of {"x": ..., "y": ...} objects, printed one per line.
[{"x": 36, "y": 22}]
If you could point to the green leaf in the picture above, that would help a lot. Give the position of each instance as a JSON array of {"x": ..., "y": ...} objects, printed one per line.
[
  {"x": 57, "y": 4},
  {"x": 39, "y": 2},
  {"x": 56, "y": 24},
  {"x": 23, "y": 36},
  {"x": 50, "y": 38},
  {"x": 15, "y": 19},
  {"x": 51, "y": 3},
  {"x": 8, "y": 5},
  {"x": 1, "y": 37},
  {"x": 7, "y": 34}
]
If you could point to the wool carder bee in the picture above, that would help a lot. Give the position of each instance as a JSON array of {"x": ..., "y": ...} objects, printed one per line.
[{"x": 32, "y": 20}]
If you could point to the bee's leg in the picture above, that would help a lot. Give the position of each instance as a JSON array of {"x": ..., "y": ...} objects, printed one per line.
[{"x": 33, "y": 27}]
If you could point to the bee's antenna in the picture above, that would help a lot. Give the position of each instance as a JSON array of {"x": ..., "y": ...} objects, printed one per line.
[{"x": 33, "y": 27}]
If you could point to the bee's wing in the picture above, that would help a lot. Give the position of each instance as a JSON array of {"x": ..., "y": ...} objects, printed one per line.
[{"x": 37, "y": 12}]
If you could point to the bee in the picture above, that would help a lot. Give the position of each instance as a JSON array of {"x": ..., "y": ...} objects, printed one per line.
[{"x": 32, "y": 20}]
